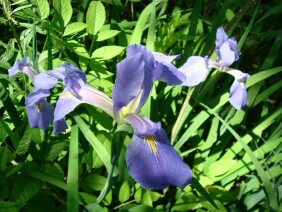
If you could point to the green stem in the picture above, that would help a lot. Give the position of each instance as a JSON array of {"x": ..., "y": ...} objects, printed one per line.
[{"x": 179, "y": 120}]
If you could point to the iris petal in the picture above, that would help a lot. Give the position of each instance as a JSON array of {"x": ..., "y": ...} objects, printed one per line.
[
  {"x": 195, "y": 70},
  {"x": 221, "y": 37},
  {"x": 44, "y": 81},
  {"x": 22, "y": 65},
  {"x": 40, "y": 112},
  {"x": 65, "y": 104},
  {"x": 226, "y": 49},
  {"x": 165, "y": 71},
  {"x": 142, "y": 125},
  {"x": 154, "y": 164},
  {"x": 238, "y": 93}
]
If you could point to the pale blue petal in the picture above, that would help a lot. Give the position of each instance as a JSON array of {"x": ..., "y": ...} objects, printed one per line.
[
  {"x": 195, "y": 70},
  {"x": 44, "y": 81}
]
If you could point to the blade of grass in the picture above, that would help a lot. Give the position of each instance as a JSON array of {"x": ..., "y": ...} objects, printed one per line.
[
  {"x": 140, "y": 26},
  {"x": 202, "y": 191},
  {"x": 117, "y": 143},
  {"x": 52, "y": 180},
  {"x": 72, "y": 186},
  {"x": 261, "y": 172},
  {"x": 96, "y": 144},
  {"x": 34, "y": 43},
  {"x": 150, "y": 44}
]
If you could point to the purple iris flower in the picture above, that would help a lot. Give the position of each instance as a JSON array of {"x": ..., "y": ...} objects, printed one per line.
[
  {"x": 149, "y": 149},
  {"x": 75, "y": 93},
  {"x": 22, "y": 66},
  {"x": 39, "y": 111},
  {"x": 226, "y": 48}
]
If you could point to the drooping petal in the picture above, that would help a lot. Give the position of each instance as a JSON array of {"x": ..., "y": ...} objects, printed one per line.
[
  {"x": 39, "y": 112},
  {"x": 221, "y": 37},
  {"x": 195, "y": 70},
  {"x": 226, "y": 49},
  {"x": 165, "y": 71},
  {"x": 44, "y": 81},
  {"x": 238, "y": 93},
  {"x": 36, "y": 96},
  {"x": 133, "y": 80},
  {"x": 154, "y": 164},
  {"x": 59, "y": 126},
  {"x": 65, "y": 104},
  {"x": 142, "y": 125}
]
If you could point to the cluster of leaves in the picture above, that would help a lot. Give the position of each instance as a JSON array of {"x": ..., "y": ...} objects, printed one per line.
[{"x": 233, "y": 154}]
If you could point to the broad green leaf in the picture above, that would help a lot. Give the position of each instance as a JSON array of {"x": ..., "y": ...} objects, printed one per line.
[
  {"x": 9, "y": 52},
  {"x": 9, "y": 206},
  {"x": 229, "y": 15},
  {"x": 77, "y": 48},
  {"x": 42, "y": 8},
  {"x": 63, "y": 9},
  {"x": 73, "y": 28},
  {"x": 124, "y": 192},
  {"x": 104, "y": 35},
  {"x": 107, "y": 52},
  {"x": 24, "y": 188},
  {"x": 95, "y": 17},
  {"x": 55, "y": 149},
  {"x": 24, "y": 142},
  {"x": 6, "y": 156},
  {"x": 93, "y": 182}
]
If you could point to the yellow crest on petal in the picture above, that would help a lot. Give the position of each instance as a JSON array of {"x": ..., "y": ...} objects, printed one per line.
[{"x": 152, "y": 143}]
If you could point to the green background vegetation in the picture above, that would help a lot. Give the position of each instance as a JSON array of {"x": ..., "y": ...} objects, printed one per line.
[{"x": 235, "y": 155}]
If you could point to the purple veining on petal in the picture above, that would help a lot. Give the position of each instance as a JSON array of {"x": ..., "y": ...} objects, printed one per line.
[{"x": 154, "y": 164}]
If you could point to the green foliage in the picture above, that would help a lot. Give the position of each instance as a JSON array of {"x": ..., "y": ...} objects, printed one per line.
[{"x": 235, "y": 156}]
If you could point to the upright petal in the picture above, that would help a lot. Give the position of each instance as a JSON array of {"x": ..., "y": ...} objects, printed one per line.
[
  {"x": 154, "y": 164},
  {"x": 226, "y": 49},
  {"x": 195, "y": 70},
  {"x": 221, "y": 37},
  {"x": 22, "y": 65},
  {"x": 133, "y": 80},
  {"x": 165, "y": 71}
]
